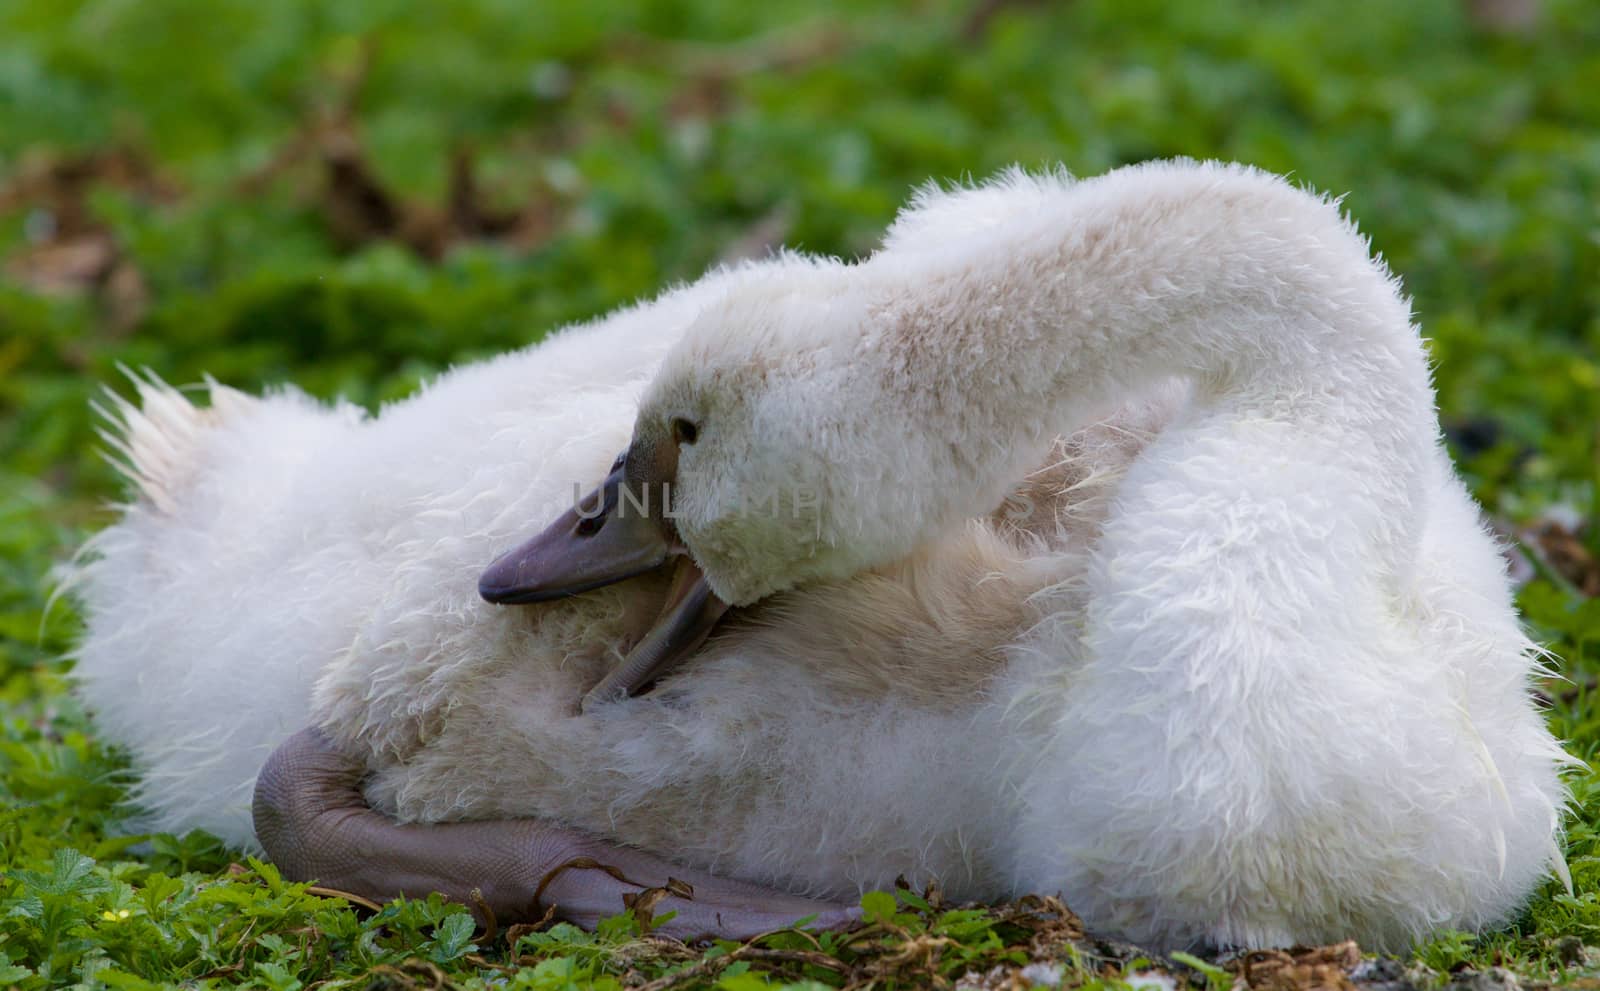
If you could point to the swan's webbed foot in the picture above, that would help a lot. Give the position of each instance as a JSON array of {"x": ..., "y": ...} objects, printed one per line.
[{"x": 314, "y": 823}]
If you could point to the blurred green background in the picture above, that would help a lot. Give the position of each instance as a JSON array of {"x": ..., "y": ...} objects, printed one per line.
[{"x": 354, "y": 195}]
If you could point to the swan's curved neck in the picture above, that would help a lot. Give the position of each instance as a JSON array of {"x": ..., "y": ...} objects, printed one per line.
[{"x": 1260, "y": 292}]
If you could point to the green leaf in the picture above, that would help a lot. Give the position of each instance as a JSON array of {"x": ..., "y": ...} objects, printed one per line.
[
  {"x": 878, "y": 906},
  {"x": 71, "y": 875},
  {"x": 743, "y": 981},
  {"x": 452, "y": 938},
  {"x": 1218, "y": 978},
  {"x": 277, "y": 976},
  {"x": 11, "y": 973}
]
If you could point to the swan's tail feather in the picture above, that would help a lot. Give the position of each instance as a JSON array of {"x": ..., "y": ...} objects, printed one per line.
[
  {"x": 1558, "y": 864},
  {"x": 161, "y": 664},
  {"x": 154, "y": 443}
]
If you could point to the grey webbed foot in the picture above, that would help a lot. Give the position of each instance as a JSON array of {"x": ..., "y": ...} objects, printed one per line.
[{"x": 315, "y": 824}]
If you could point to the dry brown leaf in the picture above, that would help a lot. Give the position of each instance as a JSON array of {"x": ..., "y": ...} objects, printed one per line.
[
  {"x": 1564, "y": 550},
  {"x": 1320, "y": 968},
  {"x": 354, "y": 899}
]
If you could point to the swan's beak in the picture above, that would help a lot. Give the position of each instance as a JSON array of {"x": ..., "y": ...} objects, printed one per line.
[
  {"x": 608, "y": 538},
  {"x": 602, "y": 540},
  {"x": 689, "y": 615}
]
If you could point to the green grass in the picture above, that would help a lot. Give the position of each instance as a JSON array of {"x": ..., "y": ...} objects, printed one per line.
[{"x": 637, "y": 141}]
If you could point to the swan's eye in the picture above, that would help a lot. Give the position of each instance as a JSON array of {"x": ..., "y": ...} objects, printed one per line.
[{"x": 684, "y": 431}]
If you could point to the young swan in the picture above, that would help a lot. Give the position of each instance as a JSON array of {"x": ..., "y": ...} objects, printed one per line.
[
  {"x": 1287, "y": 699},
  {"x": 1254, "y": 681}
]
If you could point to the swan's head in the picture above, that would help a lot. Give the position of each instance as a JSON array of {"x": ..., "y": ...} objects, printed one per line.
[
  {"x": 755, "y": 415},
  {"x": 753, "y": 437}
]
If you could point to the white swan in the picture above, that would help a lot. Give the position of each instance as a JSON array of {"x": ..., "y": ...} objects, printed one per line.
[{"x": 1255, "y": 681}]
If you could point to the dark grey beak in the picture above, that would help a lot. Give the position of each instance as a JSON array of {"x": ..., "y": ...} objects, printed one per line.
[
  {"x": 600, "y": 541},
  {"x": 610, "y": 536}
]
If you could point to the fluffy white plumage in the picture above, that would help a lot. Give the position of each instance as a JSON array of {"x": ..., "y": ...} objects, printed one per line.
[{"x": 1244, "y": 670}]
